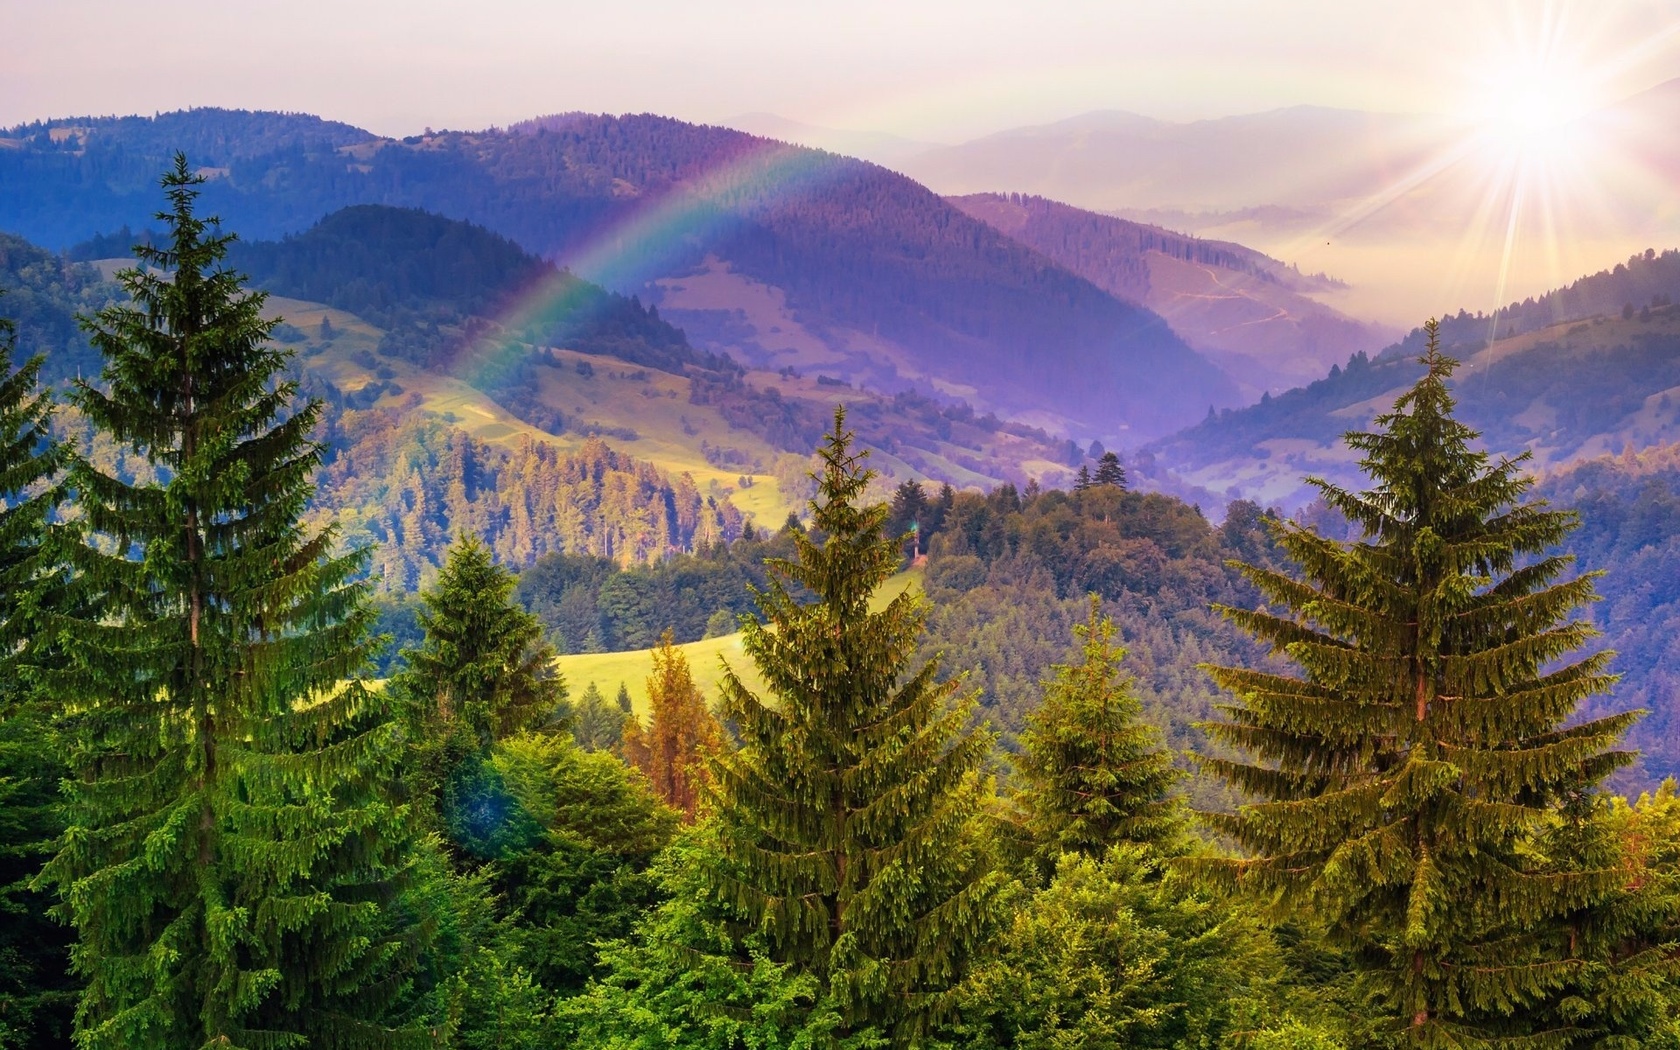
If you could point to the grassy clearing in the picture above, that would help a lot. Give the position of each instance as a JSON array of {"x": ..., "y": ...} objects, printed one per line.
[
  {"x": 654, "y": 404},
  {"x": 706, "y": 659}
]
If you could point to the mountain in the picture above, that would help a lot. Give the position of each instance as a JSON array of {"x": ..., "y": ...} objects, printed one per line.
[
  {"x": 875, "y": 146},
  {"x": 452, "y": 410},
  {"x": 783, "y": 257},
  {"x": 1418, "y": 213},
  {"x": 1586, "y": 370},
  {"x": 1251, "y": 314}
]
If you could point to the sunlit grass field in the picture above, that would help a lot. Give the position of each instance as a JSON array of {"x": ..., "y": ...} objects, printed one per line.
[{"x": 706, "y": 659}]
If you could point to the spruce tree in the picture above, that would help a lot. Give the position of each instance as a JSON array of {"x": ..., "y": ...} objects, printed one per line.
[
  {"x": 681, "y": 736},
  {"x": 1404, "y": 775},
  {"x": 847, "y": 815},
  {"x": 36, "y": 990},
  {"x": 480, "y": 674},
  {"x": 231, "y": 840},
  {"x": 482, "y": 670},
  {"x": 1093, "y": 774}
]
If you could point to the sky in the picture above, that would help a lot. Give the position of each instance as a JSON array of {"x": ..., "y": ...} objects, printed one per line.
[{"x": 930, "y": 70}]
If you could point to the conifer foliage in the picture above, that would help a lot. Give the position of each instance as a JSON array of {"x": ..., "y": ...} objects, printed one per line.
[
  {"x": 230, "y": 837},
  {"x": 483, "y": 669},
  {"x": 846, "y": 815},
  {"x": 1093, "y": 774},
  {"x": 35, "y": 988},
  {"x": 681, "y": 736},
  {"x": 1404, "y": 776}
]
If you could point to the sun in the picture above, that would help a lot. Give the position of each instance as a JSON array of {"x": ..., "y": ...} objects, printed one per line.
[{"x": 1533, "y": 107}]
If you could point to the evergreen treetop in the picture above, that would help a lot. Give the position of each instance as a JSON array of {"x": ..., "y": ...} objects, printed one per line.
[
  {"x": 230, "y": 834},
  {"x": 1109, "y": 471},
  {"x": 1403, "y": 776},
  {"x": 482, "y": 668},
  {"x": 846, "y": 816},
  {"x": 1093, "y": 774}
]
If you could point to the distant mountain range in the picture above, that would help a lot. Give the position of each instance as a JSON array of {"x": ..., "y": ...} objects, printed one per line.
[
  {"x": 1250, "y": 313},
  {"x": 401, "y": 321},
  {"x": 782, "y": 256},
  {"x": 1413, "y": 210}
]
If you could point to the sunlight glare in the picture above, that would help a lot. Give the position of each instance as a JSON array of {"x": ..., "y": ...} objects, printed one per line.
[{"x": 1530, "y": 108}]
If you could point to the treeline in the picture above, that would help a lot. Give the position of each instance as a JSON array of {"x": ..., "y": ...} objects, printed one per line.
[
  {"x": 593, "y": 605},
  {"x": 409, "y": 485}
]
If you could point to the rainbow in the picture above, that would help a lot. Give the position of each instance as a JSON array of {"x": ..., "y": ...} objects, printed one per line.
[{"x": 643, "y": 243}]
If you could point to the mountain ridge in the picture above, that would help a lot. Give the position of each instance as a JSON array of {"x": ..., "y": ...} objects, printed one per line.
[{"x": 903, "y": 287}]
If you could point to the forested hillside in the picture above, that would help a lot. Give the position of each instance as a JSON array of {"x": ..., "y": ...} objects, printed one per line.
[
  {"x": 1630, "y": 531},
  {"x": 1583, "y": 371},
  {"x": 1253, "y": 315},
  {"x": 898, "y": 287}
]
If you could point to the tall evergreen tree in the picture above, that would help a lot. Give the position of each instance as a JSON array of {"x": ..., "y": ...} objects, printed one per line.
[
  {"x": 482, "y": 669},
  {"x": 681, "y": 736},
  {"x": 1404, "y": 775},
  {"x": 36, "y": 990},
  {"x": 1093, "y": 774},
  {"x": 847, "y": 814},
  {"x": 230, "y": 839}
]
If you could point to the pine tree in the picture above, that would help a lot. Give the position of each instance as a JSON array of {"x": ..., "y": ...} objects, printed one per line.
[
  {"x": 482, "y": 669},
  {"x": 1403, "y": 777},
  {"x": 1109, "y": 471},
  {"x": 681, "y": 735},
  {"x": 37, "y": 993},
  {"x": 1082, "y": 480},
  {"x": 1093, "y": 774},
  {"x": 231, "y": 839},
  {"x": 847, "y": 814}
]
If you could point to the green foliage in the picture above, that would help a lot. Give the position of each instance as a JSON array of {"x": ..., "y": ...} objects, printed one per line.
[
  {"x": 692, "y": 595},
  {"x": 585, "y": 880},
  {"x": 684, "y": 981},
  {"x": 230, "y": 839},
  {"x": 847, "y": 815},
  {"x": 596, "y": 724},
  {"x": 482, "y": 669},
  {"x": 1109, "y": 955},
  {"x": 1404, "y": 776},
  {"x": 1109, "y": 471},
  {"x": 1094, "y": 776},
  {"x": 36, "y": 991}
]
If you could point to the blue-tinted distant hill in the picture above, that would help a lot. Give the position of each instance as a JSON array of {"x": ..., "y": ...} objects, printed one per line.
[
  {"x": 1583, "y": 371},
  {"x": 780, "y": 256}
]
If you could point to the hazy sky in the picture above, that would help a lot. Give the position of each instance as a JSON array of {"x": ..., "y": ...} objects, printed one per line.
[{"x": 940, "y": 70}]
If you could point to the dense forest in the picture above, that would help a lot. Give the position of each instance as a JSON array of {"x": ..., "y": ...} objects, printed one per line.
[
  {"x": 852, "y": 245},
  {"x": 218, "y": 829}
]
